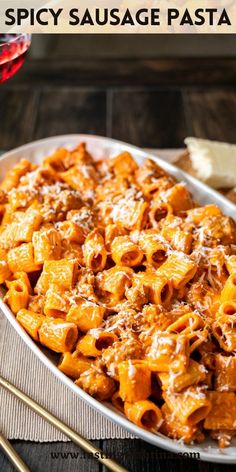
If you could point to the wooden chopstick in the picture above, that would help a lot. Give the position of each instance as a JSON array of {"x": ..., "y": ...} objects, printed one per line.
[
  {"x": 12, "y": 455},
  {"x": 70, "y": 433}
]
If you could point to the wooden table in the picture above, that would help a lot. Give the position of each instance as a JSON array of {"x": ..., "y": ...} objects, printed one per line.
[{"x": 154, "y": 116}]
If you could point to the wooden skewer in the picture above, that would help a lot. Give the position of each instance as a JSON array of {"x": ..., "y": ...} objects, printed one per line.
[
  {"x": 70, "y": 433},
  {"x": 12, "y": 455}
]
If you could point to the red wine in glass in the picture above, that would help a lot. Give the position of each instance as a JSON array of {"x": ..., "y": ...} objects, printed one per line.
[{"x": 13, "y": 48}]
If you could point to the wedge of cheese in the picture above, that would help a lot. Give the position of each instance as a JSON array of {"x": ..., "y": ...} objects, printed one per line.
[{"x": 213, "y": 162}]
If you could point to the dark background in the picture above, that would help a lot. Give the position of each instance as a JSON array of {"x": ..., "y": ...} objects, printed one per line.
[
  {"x": 89, "y": 46},
  {"x": 151, "y": 91}
]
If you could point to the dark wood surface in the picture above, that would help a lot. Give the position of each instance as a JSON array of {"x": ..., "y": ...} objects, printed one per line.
[
  {"x": 212, "y": 113},
  {"x": 152, "y": 117},
  {"x": 160, "y": 72},
  {"x": 134, "y": 454},
  {"x": 147, "y": 117}
]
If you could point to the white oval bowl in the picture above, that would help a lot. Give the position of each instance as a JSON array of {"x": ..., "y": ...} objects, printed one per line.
[{"x": 105, "y": 147}]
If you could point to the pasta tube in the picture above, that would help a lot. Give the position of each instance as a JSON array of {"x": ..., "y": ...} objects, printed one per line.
[
  {"x": 114, "y": 282},
  {"x": 229, "y": 291},
  {"x": 135, "y": 381},
  {"x": 111, "y": 232},
  {"x": 123, "y": 165},
  {"x": 168, "y": 352},
  {"x": 21, "y": 276},
  {"x": 144, "y": 414},
  {"x": 126, "y": 253},
  {"x": 86, "y": 315},
  {"x": 186, "y": 324},
  {"x": 13, "y": 175},
  {"x": 31, "y": 322},
  {"x": 178, "y": 197},
  {"x": 227, "y": 308},
  {"x": 73, "y": 364},
  {"x": 117, "y": 401},
  {"x": 28, "y": 223},
  {"x": 225, "y": 373},
  {"x": 224, "y": 330},
  {"x": 93, "y": 344},
  {"x": 80, "y": 177},
  {"x": 94, "y": 250},
  {"x": 179, "y": 268},
  {"x": 159, "y": 211},
  {"x": 8, "y": 233},
  {"x": 58, "y": 335},
  {"x": 161, "y": 290},
  {"x": 196, "y": 338},
  {"x": 21, "y": 258},
  {"x": 59, "y": 160},
  {"x": 179, "y": 240},
  {"x": 47, "y": 245},
  {"x": 176, "y": 382},
  {"x": 56, "y": 303},
  {"x": 196, "y": 215},
  {"x": 189, "y": 407},
  {"x": 175, "y": 429},
  {"x": 61, "y": 273},
  {"x": 148, "y": 172},
  {"x": 5, "y": 272},
  {"x": 17, "y": 296},
  {"x": 154, "y": 249},
  {"x": 231, "y": 264},
  {"x": 71, "y": 231},
  {"x": 154, "y": 189},
  {"x": 130, "y": 212},
  {"x": 223, "y": 411}
]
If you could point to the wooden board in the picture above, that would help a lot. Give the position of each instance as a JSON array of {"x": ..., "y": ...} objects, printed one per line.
[{"x": 149, "y": 118}]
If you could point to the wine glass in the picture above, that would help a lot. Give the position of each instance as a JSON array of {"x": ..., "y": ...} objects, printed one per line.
[{"x": 13, "y": 48}]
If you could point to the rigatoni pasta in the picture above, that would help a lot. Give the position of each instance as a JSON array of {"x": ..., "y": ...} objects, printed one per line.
[
  {"x": 30, "y": 321},
  {"x": 115, "y": 267}
]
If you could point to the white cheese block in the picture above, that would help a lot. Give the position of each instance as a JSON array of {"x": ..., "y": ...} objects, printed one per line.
[{"x": 213, "y": 162}]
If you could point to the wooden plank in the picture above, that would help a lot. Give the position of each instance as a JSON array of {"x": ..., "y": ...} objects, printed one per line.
[
  {"x": 212, "y": 113},
  {"x": 71, "y": 110},
  {"x": 18, "y": 108},
  {"x": 51, "y": 457},
  {"x": 138, "y": 456},
  {"x": 134, "y": 454},
  {"x": 146, "y": 118},
  {"x": 182, "y": 71}
]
